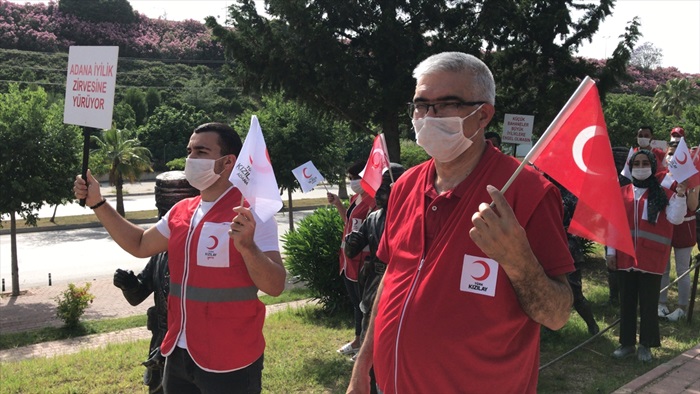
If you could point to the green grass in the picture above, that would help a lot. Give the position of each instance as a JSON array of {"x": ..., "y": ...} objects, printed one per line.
[
  {"x": 301, "y": 357},
  {"x": 591, "y": 369},
  {"x": 113, "y": 369}
]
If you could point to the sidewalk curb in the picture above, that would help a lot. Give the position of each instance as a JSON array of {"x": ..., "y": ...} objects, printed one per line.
[{"x": 24, "y": 230}]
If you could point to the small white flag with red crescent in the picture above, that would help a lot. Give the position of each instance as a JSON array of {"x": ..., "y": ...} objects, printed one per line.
[
  {"x": 253, "y": 174},
  {"x": 308, "y": 176},
  {"x": 681, "y": 166}
]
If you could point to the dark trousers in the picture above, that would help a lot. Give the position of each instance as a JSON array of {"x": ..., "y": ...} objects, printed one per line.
[
  {"x": 639, "y": 288},
  {"x": 183, "y": 376},
  {"x": 354, "y": 292}
]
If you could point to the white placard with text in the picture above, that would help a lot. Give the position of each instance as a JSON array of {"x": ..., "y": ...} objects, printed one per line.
[
  {"x": 517, "y": 129},
  {"x": 90, "y": 84}
]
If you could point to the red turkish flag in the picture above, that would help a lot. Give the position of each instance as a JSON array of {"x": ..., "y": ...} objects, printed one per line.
[
  {"x": 576, "y": 151},
  {"x": 376, "y": 163}
]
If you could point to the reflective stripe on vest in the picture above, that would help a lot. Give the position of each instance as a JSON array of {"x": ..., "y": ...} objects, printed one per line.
[
  {"x": 201, "y": 294},
  {"x": 652, "y": 237}
]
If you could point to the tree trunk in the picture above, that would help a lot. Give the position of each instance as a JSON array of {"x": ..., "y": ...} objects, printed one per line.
[
  {"x": 390, "y": 128},
  {"x": 13, "y": 252},
  {"x": 291, "y": 209},
  {"x": 342, "y": 189},
  {"x": 120, "y": 195},
  {"x": 53, "y": 218}
]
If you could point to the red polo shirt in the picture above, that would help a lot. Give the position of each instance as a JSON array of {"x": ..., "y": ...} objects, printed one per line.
[{"x": 448, "y": 319}]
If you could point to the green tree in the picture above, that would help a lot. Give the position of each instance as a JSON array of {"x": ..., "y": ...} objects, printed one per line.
[
  {"x": 624, "y": 114},
  {"x": 294, "y": 134},
  {"x": 691, "y": 124},
  {"x": 529, "y": 49},
  {"x": 136, "y": 98},
  {"x": 673, "y": 97},
  {"x": 153, "y": 100},
  {"x": 314, "y": 50},
  {"x": 118, "y": 11},
  {"x": 203, "y": 94},
  {"x": 123, "y": 116},
  {"x": 168, "y": 130},
  {"x": 123, "y": 154},
  {"x": 39, "y": 159}
]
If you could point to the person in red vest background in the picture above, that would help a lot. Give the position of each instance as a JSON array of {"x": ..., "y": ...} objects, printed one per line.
[
  {"x": 645, "y": 135},
  {"x": 361, "y": 204},
  {"x": 220, "y": 254},
  {"x": 652, "y": 210},
  {"x": 683, "y": 242}
]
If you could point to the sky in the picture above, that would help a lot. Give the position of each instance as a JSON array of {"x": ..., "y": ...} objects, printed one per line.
[{"x": 670, "y": 25}]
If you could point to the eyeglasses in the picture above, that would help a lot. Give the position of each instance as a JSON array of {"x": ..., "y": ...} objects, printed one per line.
[
  {"x": 673, "y": 144},
  {"x": 444, "y": 108}
]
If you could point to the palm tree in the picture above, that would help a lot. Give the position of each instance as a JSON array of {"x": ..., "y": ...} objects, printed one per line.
[
  {"x": 674, "y": 96},
  {"x": 125, "y": 158}
]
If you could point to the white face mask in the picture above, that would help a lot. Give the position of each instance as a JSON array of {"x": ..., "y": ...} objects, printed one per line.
[
  {"x": 443, "y": 138},
  {"x": 200, "y": 172},
  {"x": 641, "y": 174},
  {"x": 643, "y": 142},
  {"x": 356, "y": 186}
]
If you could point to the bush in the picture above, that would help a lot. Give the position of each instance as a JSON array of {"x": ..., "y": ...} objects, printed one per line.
[
  {"x": 176, "y": 164},
  {"x": 412, "y": 154},
  {"x": 311, "y": 253},
  {"x": 72, "y": 304}
]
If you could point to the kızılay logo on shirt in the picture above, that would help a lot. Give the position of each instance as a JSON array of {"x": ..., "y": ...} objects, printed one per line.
[
  {"x": 479, "y": 275},
  {"x": 210, "y": 254}
]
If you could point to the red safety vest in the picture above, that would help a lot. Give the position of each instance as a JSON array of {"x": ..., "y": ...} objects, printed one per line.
[
  {"x": 211, "y": 292},
  {"x": 652, "y": 241},
  {"x": 351, "y": 266}
]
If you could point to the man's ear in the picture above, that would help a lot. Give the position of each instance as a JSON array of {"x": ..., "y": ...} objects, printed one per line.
[
  {"x": 486, "y": 114},
  {"x": 231, "y": 160}
]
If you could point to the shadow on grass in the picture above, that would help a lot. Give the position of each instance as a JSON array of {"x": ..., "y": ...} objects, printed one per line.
[
  {"x": 322, "y": 318},
  {"x": 327, "y": 373}
]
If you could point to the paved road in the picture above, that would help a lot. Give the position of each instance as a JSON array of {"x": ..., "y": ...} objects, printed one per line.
[
  {"x": 73, "y": 255},
  {"x": 142, "y": 199},
  {"x": 89, "y": 253}
]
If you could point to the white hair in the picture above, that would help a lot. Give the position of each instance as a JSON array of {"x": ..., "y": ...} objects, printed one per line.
[{"x": 484, "y": 87}]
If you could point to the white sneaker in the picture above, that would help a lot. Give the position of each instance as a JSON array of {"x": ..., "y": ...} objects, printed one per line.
[
  {"x": 663, "y": 310},
  {"x": 676, "y": 315}
]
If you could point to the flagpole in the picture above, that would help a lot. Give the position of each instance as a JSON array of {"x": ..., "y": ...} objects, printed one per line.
[
  {"x": 381, "y": 137},
  {"x": 549, "y": 130}
]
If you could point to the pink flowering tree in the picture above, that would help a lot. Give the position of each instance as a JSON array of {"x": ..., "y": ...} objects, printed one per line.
[{"x": 44, "y": 28}]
